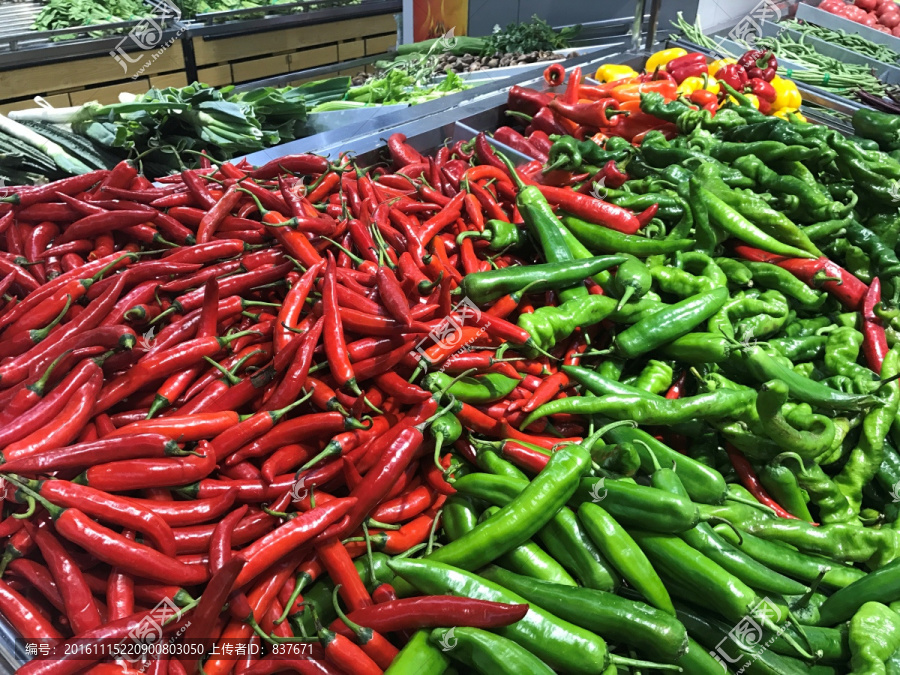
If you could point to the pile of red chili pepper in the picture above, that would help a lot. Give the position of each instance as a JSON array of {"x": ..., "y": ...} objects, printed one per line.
[{"x": 205, "y": 398}]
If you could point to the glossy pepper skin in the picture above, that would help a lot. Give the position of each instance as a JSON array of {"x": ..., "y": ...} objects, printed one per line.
[{"x": 759, "y": 64}]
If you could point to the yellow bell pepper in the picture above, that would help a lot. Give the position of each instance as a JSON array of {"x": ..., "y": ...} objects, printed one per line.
[
  {"x": 689, "y": 85},
  {"x": 790, "y": 114},
  {"x": 787, "y": 94},
  {"x": 711, "y": 84},
  {"x": 754, "y": 101},
  {"x": 660, "y": 59},
  {"x": 716, "y": 65},
  {"x": 612, "y": 72}
]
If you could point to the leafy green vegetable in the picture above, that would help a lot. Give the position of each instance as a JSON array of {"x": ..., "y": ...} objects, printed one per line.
[
  {"x": 399, "y": 87},
  {"x": 533, "y": 36},
  {"x": 70, "y": 13}
]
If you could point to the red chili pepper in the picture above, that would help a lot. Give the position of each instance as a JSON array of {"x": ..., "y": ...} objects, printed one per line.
[
  {"x": 403, "y": 154},
  {"x": 749, "y": 479},
  {"x": 298, "y": 164},
  {"x": 591, "y": 209},
  {"x": 435, "y": 611},
  {"x": 875, "y": 346},
  {"x": 761, "y": 89},
  {"x": 81, "y": 610},
  {"x": 25, "y": 617}
]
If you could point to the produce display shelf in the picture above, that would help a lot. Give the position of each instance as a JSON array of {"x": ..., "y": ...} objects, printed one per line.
[{"x": 366, "y": 135}]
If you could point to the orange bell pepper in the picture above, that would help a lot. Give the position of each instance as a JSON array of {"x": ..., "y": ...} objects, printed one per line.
[{"x": 632, "y": 92}]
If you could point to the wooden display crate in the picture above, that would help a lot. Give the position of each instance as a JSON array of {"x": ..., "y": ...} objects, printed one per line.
[{"x": 218, "y": 62}]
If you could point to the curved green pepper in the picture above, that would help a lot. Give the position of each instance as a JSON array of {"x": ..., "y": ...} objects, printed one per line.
[
  {"x": 519, "y": 520},
  {"x": 482, "y": 287},
  {"x": 604, "y": 240},
  {"x": 419, "y": 657},
  {"x": 558, "y": 643},
  {"x": 484, "y": 388},
  {"x": 874, "y": 637},
  {"x": 811, "y": 440},
  {"x": 623, "y": 621},
  {"x": 632, "y": 280},
  {"x": 499, "y": 233},
  {"x": 486, "y": 652},
  {"x": 823, "y": 492},
  {"x": 669, "y": 324}
]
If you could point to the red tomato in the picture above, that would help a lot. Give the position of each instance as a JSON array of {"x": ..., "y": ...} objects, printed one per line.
[
  {"x": 891, "y": 19},
  {"x": 869, "y": 20},
  {"x": 896, "y": 31},
  {"x": 831, "y": 5},
  {"x": 867, "y": 5},
  {"x": 887, "y": 8}
]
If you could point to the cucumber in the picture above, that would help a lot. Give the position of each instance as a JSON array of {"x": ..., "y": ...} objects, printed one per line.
[{"x": 74, "y": 144}]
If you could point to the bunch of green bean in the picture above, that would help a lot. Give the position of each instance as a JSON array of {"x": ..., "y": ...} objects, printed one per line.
[
  {"x": 821, "y": 70},
  {"x": 842, "y": 38}
]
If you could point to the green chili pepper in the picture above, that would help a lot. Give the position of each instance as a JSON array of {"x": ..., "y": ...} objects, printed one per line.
[
  {"x": 698, "y": 348},
  {"x": 634, "y": 505},
  {"x": 499, "y": 233},
  {"x": 811, "y": 440},
  {"x": 670, "y": 206},
  {"x": 680, "y": 282},
  {"x": 419, "y": 657},
  {"x": 764, "y": 367},
  {"x": 808, "y": 327},
  {"x": 883, "y": 128},
  {"x": 874, "y": 637},
  {"x": 475, "y": 390},
  {"x": 882, "y": 585},
  {"x": 532, "y": 561},
  {"x": 735, "y": 271},
  {"x": 709, "y": 406},
  {"x": 698, "y": 660},
  {"x": 490, "y": 461},
  {"x": 823, "y": 491},
  {"x": 604, "y": 240},
  {"x": 621, "y": 458},
  {"x": 841, "y": 541},
  {"x": 487, "y": 653},
  {"x": 789, "y": 561},
  {"x": 866, "y": 457},
  {"x": 704, "y": 539},
  {"x": 887, "y": 227},
  {"x": 543, "y": 225},
  {"x": 558, "y": 643},
  {"x": 459, "y": 516},
  {"x": 720, "y": 590},
  {"x": 621, "y": 620},
  {"x": 827, "y": 229},
  {"x": 656, "y": 377},
  {"x": 729, "y": 646},
  {"x": 624, "y": 554},
  {"x": 562, "y": 536},
  {"x": 779, "y": 279},
  {"x": 885, "y": 262},
  {"x": 813, "y": 205},
  {"x": 783, "y": 486},
  {"x": 632, "y": 280},
  {"x": 523, "y": 517},
  {"x": 548, "y": 325},
  {"x": 483, "y": 287},
  {"x": 706, "y": 237},
  {"x": 564, "y": 154},
  {"x": 800, "y": 349},
  {"x": 669, "y": 324}
]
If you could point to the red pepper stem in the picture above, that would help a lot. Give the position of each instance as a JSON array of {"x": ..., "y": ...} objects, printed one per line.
[
  {"x": 381, "y": 526},
  {"x": 30, "y": 487},
  {"x": 262, "y": 210},
  {"x": 224, "y": 341}
]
